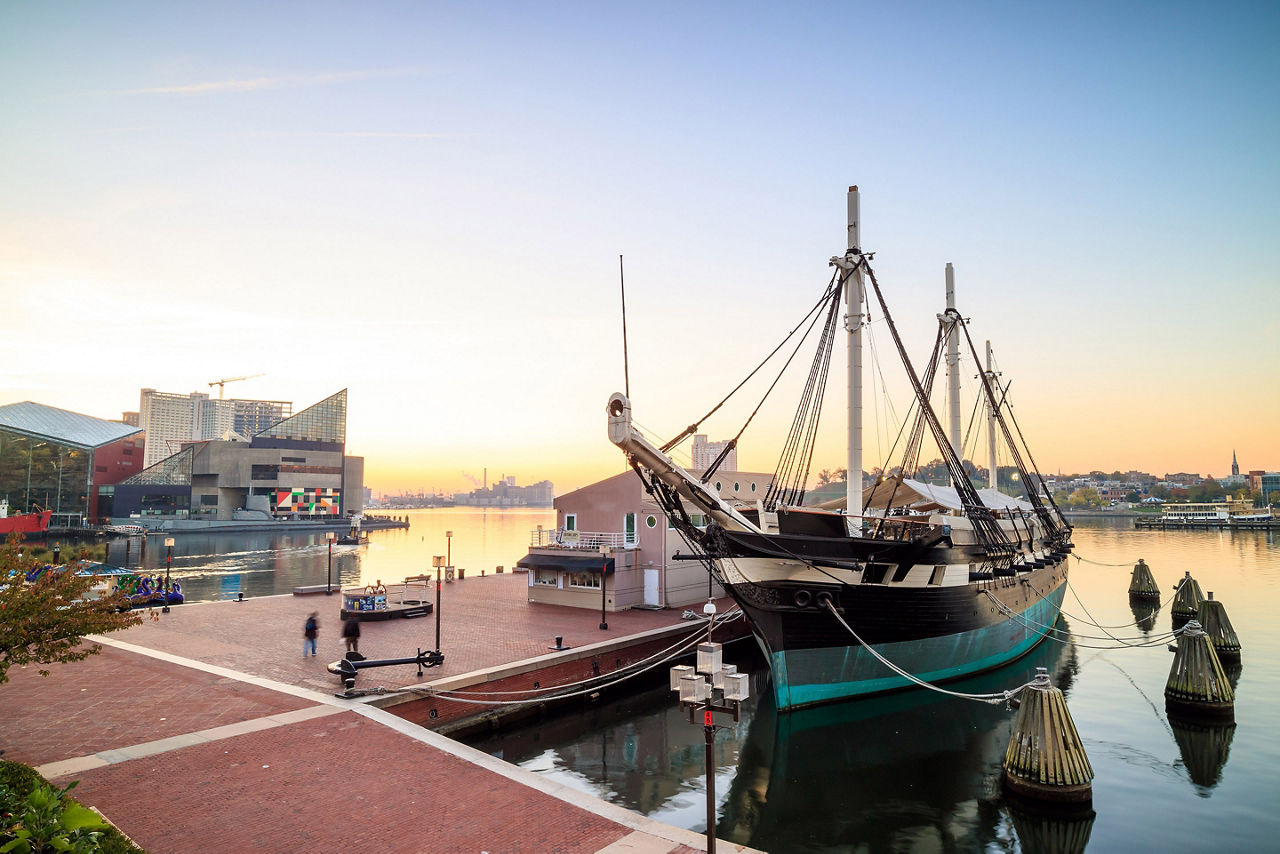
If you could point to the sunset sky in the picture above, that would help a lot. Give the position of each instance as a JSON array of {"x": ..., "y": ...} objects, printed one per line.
[{"x": 425, "y": 203}]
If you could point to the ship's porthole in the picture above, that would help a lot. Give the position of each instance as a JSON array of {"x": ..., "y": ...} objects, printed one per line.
[
  {"x": 824, "y": 599},
  {"x": 802, "y": 598}
]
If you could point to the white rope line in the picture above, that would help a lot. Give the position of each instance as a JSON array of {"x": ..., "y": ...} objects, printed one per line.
[
  {"x": 1051, "y": 632},
  {"x": 994, "y": 699},
  {"x": 1144, "y": 640},
  {"x": 1099, "y": 563}
]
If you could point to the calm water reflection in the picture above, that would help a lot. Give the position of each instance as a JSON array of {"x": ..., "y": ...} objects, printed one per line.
[
  {"x": 216, "y": 566},
  {"x": 920, "y": 772}
]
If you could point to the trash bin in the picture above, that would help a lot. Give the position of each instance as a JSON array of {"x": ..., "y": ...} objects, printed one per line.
[{"x": 462, "y": 573}]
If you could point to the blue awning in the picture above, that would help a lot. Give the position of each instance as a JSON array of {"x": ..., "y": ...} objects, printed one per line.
[{"x": 567, "y": 562}]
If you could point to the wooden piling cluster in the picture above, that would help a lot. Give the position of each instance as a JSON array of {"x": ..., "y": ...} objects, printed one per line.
[
  {"x": 1198, "y": 686},
  {"x": 1045, "y": 760},
  {"x": 1142, "y": 586},
  {"x": 1212, "y": 617},
  {"x": 1186, "y": 602}
]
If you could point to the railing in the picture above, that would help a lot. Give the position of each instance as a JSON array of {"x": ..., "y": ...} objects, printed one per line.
[{"x": 558, "y": 538}]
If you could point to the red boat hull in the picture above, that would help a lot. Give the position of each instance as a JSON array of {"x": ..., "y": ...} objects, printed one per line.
[{"x": 26, "y": 523}]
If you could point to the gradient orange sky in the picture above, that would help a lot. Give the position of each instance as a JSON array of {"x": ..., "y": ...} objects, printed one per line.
[{"x": 425, "y": 204}]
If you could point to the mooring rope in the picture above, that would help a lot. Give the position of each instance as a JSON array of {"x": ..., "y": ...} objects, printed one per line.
[
  {"x": 1051, "y": 631},
  {"x": 993, "y": 699},
  {"x": 1100, "y": 563}
]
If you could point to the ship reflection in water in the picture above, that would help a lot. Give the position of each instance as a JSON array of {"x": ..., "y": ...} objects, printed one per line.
[
  {"x": 911, "y": 771},
  {"x": 914, "y": 771}
]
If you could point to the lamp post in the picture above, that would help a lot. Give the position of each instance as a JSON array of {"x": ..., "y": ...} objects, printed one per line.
[
  {"x": 710, "y": 687},
  {"x": 168, "y": 564},
  {"x": 448, "y": 548},
  {"x": 604, "y": 570},
  {"x": 328, "y": 584},
  {"x": 438, "y": 561}
]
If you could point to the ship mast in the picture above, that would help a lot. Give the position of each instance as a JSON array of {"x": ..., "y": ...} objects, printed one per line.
[
  {"x": 953, "y": 364},
  {"x": 991, "y": 422},
  {"x": 853, "y": 325}
]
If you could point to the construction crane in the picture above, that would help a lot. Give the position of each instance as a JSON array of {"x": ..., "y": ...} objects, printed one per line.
[{"x": 221, "y": 384}]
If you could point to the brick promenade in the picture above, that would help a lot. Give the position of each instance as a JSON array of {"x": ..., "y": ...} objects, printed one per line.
[{"x": 206, "y": 730}]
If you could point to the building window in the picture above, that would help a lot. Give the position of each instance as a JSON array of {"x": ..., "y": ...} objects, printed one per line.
[
  {"x": 571, "y": 521},
  {"x": 651, "y": 521},
  {"x": 753, "y": 487},
  {"x": 629, "y": 529},
  {"x": 209, "y": 500},
  {"x": 585, "y": 579},
  {"x": 546, "y": 577},
  {"x": 699, "y": 520}
]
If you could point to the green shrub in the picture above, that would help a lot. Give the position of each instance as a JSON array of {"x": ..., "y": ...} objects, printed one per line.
[{"x": 36, "y": 817}]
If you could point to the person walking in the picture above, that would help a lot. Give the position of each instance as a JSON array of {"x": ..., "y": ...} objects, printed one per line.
[
  {"x": 351, "y": 634},
  {"x": 309, "y": 632}
]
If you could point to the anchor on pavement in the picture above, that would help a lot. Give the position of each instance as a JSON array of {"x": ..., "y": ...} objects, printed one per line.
[{"x": 346, "y": 667}]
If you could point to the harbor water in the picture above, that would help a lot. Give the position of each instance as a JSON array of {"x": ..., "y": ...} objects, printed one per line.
[
  {"x": 914, "y": 771},
  {"x": 212, "y": 566},
  {"x": 918, "y": 771}
]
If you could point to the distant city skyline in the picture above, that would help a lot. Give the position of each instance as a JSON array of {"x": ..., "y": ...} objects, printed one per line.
[{"x": 430, "y": 214}]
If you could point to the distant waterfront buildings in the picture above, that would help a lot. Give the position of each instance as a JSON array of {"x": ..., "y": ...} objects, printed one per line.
[
  {"x": 505, "y": 493},
  {"x": 704, "y": 453},
  {"x": 172, "y": 419}
]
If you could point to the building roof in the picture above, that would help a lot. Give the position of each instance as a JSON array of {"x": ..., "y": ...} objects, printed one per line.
[{"x": 61, "y": 426}]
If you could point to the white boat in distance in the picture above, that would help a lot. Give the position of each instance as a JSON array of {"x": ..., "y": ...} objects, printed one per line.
[{"x": 942, "y": 581}]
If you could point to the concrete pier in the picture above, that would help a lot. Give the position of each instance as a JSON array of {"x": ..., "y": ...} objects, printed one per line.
[{"x": 212, "y": 714}]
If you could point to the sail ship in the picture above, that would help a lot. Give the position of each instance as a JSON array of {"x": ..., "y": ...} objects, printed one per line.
[{"x": 901, "y": 583}]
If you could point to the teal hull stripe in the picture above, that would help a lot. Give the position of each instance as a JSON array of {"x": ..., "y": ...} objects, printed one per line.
[{"x": 810, "y": 676}]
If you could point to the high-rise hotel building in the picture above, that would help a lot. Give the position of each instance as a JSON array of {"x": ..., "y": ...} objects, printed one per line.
[{"x": 171, "y": 419}]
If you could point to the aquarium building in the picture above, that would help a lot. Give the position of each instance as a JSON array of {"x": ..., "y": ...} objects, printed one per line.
[{"x": 295, "y": 470}]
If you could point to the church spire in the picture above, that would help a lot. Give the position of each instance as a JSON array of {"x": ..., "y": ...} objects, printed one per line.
[{"x": 1235, "y": 466}]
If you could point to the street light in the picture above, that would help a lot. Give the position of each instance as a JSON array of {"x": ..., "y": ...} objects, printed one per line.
[
  {"x": 438, "y": 561},
  {"x": 168, "y": 564},
  {"x": 328, "y": 584},
  {"x": 604, "y": 569},
  {"x": 448, "y": 548},
  {"x": 699, "y": 688}
]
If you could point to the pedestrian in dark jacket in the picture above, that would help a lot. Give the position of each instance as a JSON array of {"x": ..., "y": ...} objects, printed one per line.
[
  {"x": 351, "y": 634},
  {"x": 309, "y": 632}
]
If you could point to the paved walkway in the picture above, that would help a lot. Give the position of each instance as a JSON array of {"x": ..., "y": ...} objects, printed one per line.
[{"x": 206, "y": 730}]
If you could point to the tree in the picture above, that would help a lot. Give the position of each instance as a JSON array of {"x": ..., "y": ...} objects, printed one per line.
[
  {"x": 1206, "y": 490},
  {"x": 42, "y": 621},
  {"x": 1084, "y": 497}
]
